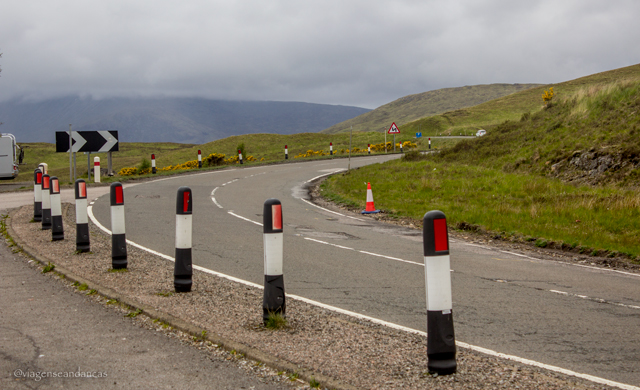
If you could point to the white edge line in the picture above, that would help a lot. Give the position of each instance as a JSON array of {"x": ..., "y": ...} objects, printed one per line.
[
  {"x": 460, "y": 344},
  {"x": 326, "y": 174},
  {"x": 192, "y": 174},
  {"x": 547, "y": 367}
]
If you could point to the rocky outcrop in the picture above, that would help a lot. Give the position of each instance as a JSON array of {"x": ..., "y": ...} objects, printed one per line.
[{"x": 593, "y": 167}]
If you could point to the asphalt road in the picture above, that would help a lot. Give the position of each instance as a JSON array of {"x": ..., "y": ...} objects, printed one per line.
[
  {"x": 52, "y": 337},
  {"x": 579, "y": 318}
]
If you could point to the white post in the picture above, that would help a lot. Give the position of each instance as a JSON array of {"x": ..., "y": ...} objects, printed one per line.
[{"x": 96, "y": 169}]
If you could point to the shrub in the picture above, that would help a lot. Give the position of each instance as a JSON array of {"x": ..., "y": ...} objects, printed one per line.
[
  {"x": 214, "y": 159},
  {"x": 547, "y": 96}
]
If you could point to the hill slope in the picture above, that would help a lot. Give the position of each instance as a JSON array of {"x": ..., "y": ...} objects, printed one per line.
[
  {"x": 511, "y": 107},
  {"x": 412, "y": 107},
  {"x": 185, "y": 120}
]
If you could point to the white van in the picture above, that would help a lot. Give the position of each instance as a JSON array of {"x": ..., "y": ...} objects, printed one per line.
[
  {"x": 9, "y": 152},
  {"x": 481, "y": 132}
]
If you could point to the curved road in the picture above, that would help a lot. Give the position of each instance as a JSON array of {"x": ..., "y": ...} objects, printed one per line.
[{"x": 578, "y": 318}]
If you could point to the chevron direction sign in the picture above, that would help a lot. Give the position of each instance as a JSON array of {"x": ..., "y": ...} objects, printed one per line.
[{"x": 88, "y": 141}]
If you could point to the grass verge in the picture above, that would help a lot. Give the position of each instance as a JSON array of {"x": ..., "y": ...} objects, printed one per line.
[{"x": 536, "y": 208}]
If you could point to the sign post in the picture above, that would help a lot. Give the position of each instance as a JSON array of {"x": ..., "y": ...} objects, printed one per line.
[
  {"x": 70, "y": 143},
  {"x": 393, "y": 130}
]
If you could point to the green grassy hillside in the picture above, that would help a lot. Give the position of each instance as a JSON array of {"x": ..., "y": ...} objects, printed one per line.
[
  {"x": 511, "y": 107},
  {"x": 566, "y": 175},
  {"x": 591, "y": 136},
  {"x": 413, "y": 107}
]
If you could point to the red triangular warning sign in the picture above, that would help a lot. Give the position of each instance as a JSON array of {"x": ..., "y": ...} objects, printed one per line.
[{"x": 393, "y": 129}]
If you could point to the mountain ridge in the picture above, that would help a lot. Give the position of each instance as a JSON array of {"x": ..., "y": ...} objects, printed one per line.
[
  {"x": 412, "y": 107},
  {"x": 182, "y": 120}
]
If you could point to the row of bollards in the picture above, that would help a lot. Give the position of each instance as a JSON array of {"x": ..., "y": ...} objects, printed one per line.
[
  {"x": 240, "y": 160},
  {"x": 441, "y": 348}
]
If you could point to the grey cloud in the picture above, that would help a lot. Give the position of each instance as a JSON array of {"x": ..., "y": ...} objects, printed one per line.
[{"x": 338, "y": 52}]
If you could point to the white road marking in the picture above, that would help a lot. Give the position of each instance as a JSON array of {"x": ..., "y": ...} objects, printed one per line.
[
  {"x": 391, "y": 258},
  {"x": 635, "y": 275},
  {"x": 326, "y": 174},
  {"x": 460, "y": 344},
  {"x": 213, "y": 198},
  {"x": 598, "y": 300},
  {"x": 243, "y": 218},
  {"x": 330, "y": 211},
  {"x": 328, "y": 243}
]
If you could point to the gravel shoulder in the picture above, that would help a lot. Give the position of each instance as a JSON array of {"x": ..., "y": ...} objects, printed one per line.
[{"x": 336, "y": 350}]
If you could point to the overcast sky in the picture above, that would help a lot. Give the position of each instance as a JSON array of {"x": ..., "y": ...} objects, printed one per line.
[{"x": 361, "y": 53}]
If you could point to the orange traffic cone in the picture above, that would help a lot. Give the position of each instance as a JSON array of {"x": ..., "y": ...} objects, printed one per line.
[{"x": 370, "y": 209}]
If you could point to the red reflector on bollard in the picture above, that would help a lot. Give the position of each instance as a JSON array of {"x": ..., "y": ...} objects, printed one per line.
[
  {"x": 45, "y": 182},
  {"x": 82, "y": 186},
  {"x": 39, "y": 178},
  {"x": 440, "y": 233},
  {"x": 276, "y": 211},
  {"x": 56, "y": 186},
  {"x": 185, "y": 201},
  {"x": 119, "y": 195}
]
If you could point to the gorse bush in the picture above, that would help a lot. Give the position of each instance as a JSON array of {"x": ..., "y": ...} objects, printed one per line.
[
  {"x": 547, "y": 96},
  {"x": 214, "y": 159}
]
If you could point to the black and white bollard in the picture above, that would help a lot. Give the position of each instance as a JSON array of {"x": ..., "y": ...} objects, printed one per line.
[
  {"x": 57, "y": 229},
  {"x": 369, "y": 148},
  {"x": 37, "y": 195},
  {"x": 46, "y": 202},
  {"x": 199, "y": 159},
  {"x": 118, "y": 238},
  {"x": 44, "y": 167},
  {"x": 96, "y": 169},
  {"x": 330, "y": 148},
  {"x": 286, "y": 152},
  {"x": 153, "y": 163},
  {"x": 441, "y": 342},
  {"x": 273, "y": 301},
  {"x": 429, "y": 143},
  {"x": 183, "y": 270},
  {"x": 240, "y": 156},
  {"x": 82, "y": 219}
]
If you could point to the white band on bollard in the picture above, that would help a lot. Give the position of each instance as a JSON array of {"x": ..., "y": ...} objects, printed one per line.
[
  {"x": 117, "y": 220},
  {"x": 438, "y": 287},
  {"x": 81, "y": 211},
  {"x": 183, "y": 231},
  {"x": 273, "y": 253}
]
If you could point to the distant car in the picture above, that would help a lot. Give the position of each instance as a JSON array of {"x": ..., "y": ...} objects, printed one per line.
[{"x": 480, "y": 133}]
